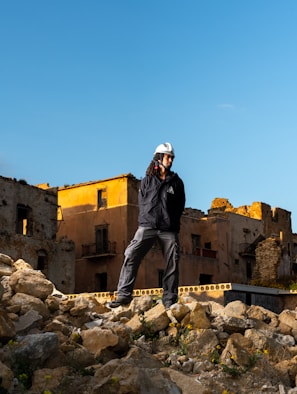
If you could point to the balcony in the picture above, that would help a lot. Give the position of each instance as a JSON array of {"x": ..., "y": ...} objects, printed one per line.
[
  {"x": 249, "y": 249},
  {"x": 90, "y": 251},
  {"x": 202, "y": 252},
  {"x": 246, "y": 250}
]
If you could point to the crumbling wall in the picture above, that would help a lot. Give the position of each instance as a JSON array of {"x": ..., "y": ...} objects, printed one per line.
[
  {"x": 62, "y": 269},
  {"x": 258, "y": 210},
  {"x": 268, "y": 259},
  {"x": 222, "y": 204},
  {"x": 41, "y": 204},
  {"x": 193, "y": 213},
  {"x": 28, "y": 227}
]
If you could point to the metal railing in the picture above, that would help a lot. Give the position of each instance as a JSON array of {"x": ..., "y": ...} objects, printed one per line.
[
  {"x": 246, "y": 249},
  {"x": 89, "y": 250}
]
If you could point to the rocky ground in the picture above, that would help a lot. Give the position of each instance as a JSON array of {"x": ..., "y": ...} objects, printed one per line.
[{"x": 55, "y": 344}]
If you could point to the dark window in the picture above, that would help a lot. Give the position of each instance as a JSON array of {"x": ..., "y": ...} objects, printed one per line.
[
  {"x": 236, "y": 261},
  {"x": 205, "y": 279},
  {"x": 101, "y": 282},
  {"x": 101, "y": 239},
  {"x": 42, "y": 262},
  {"x": 24, "y": 223},
  {"x": 101, "y": 198},
  {"x": 196, "y": 239},
  {"x": 207, "y": 245}
]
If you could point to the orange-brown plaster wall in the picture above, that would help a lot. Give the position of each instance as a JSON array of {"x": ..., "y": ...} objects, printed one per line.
[{"x": 81, "y": 216}]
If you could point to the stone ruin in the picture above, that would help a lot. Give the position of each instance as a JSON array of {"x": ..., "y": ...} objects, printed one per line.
[{"x": 52, "y": 343}]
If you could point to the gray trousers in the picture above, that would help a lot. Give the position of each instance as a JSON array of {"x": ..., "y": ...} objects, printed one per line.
[{"x": 143, "y": 240}]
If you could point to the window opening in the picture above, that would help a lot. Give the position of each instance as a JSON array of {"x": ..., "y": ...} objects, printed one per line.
[
  {"x": 196, "y": 239},
  {"x": 101, "y": 239},
  {"x": 205, "y": 279},
  {"x": 101, "y": 282},
  {"x": 101, "y": 198},
  {"x": 24, "y": 223},
  {"x": 42, "y": 262}
]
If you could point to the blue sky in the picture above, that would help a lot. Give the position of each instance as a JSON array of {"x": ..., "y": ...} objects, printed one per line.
[{"x": 89, "y": 88}]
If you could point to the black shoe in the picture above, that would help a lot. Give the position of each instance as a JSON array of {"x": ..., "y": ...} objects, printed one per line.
[
  {"x": 168, "y": 304},
  {"x": 119, "y": 302}
]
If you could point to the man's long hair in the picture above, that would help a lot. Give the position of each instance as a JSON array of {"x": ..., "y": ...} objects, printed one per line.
[{"x": 153, "y": 168}]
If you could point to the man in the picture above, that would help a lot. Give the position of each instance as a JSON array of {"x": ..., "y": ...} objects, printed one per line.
[{"x": 161, "y": 203}]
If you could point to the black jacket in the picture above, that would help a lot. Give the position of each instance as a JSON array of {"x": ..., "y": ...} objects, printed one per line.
[{"x": 161, "y": 203}]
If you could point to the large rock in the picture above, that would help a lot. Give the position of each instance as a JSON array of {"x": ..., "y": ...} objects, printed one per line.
[
  {"x": 197, "y": 318},
  {"x": 29, "y": 281},
  {"x": 7, "y": 329},
  {"x": 1, "y": 291},
  {"x": 6, "y": 376},
  {"x": 235, "y": 309},
  {"x": 150, "y": 322},
  {"x": 266, "y": 344},
  {"x": 7, "y": 260},
  {"x": 34, "y": 349},
  {"x": 96, "y": 339},
  {"x": 21, "y": 264},
  {"x": 5, "y": 270},
  {"x": 24, "y": 302},
  {"x": 289, "y": 319},
  {"x": 47, "y": 380},
  {"x": 27, "y": 321},
  {"x": 201, "y": 341},
  {"x": 123, "y": 376}
]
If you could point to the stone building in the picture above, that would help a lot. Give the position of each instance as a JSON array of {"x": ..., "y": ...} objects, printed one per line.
[
  {"x": 28, "y": 228},
  {"x": 101, "y": 218},
  {"x": 261, "y": 241}
]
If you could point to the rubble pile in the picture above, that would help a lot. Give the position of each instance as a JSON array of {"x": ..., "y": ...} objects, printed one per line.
[{"x": 55, "y": 344}]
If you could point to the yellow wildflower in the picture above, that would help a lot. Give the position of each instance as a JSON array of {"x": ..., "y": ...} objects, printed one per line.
[{"x": 114, "y": 380}]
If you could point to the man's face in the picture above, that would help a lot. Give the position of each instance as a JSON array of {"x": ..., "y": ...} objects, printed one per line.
[{"x": 167, "y": 161}]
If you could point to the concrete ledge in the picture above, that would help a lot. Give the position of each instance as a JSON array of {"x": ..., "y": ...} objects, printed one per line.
[{"x": 273, "y": 299}]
